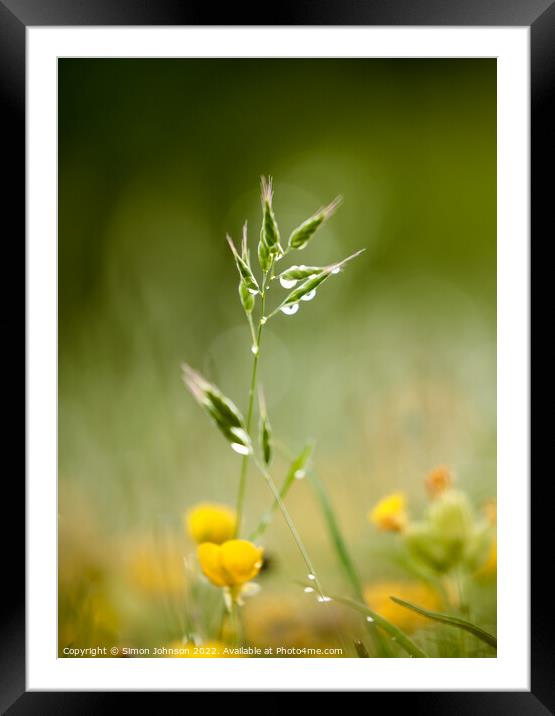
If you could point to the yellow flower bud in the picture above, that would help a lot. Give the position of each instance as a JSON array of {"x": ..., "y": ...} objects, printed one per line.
[
  {"x": 451, "y": 516},
  {"x": 439, "y": 480},
  {"x": 211, "y": 523},
  {"x": 231, "y": 564},
  {"x": 390, "y": 514}
]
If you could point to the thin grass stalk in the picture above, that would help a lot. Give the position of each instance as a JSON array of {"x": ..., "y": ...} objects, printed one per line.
[
  {"x": 252, "y": 391},
  {"x": 286, "y": 485},
  {"x": 289, "y": 520}
]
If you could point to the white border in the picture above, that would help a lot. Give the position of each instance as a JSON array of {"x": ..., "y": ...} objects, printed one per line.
[{"x": 511, "y": 668}]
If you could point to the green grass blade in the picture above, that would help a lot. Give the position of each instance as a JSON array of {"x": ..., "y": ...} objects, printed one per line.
[
  {"x": 400, "y": 637},
  {"x": 336, "y": 536},
  {"x": 451, "y": 621},
  {"x": 347, "y": 564}
]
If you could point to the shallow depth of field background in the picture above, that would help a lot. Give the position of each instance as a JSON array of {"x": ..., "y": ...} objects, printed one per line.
[{"x": 391, "y": 370}]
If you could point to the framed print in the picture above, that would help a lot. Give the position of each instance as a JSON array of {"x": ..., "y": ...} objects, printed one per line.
[{"x": 278, "y": 352}]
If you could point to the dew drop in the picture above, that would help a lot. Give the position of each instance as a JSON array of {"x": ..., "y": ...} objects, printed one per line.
[
  {"x": 312, "y": 577},
  {"x": 308, "y": 590},
  {"x": 370, "y": 619},
  {"x": 252, "y": 291},
  {"x": 263, "y": 320},
  {"x": 288, "y": 282},
  {"x": 241, "y": 449},
  {"x": 336, "y": 270},
  {"x": 309, "y": 296},
  {"x": 322, "y": 598},
  {"x": 290, "y": 310},
  {"x": 299, "y": 474},
  {"x": 254, "y": 349},
  {"x": 258, "y": 565}
]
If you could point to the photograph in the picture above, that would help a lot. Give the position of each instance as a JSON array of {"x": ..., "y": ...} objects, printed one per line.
[{"x": 277, "y": 357}]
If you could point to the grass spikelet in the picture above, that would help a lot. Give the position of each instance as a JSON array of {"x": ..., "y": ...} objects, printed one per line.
[{"x": 300, "y": 236}]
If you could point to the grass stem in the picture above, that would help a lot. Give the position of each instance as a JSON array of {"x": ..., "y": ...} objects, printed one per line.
[
  {"x": 289, "y": 520},
  {"x": 252, "y": 391}
]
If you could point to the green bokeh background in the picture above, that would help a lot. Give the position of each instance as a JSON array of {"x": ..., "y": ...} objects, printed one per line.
[{"x": 391, "y": 370}]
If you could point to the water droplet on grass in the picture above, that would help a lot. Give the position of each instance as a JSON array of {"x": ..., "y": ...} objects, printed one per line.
[
  {"x": 308, "y": 590},
  {"x": 309, "y": 296},
  {"x": 254, "y": 350},
  {"x": 299, "y": 474},
  {"x": 322, "y": 598},
  {"x": 288, "y": 282},
  {"x": 290, "y": 310},
  {"x": 263, "y": 320},
  {"x": 370, "y": 619},
  {"x": 241, "y": 449},
  {"x": 312, "y": 577},
  {"x": 336, "y": 270}
]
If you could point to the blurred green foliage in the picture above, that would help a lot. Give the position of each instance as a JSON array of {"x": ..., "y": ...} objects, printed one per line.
[{"x": 390, "y": 371}]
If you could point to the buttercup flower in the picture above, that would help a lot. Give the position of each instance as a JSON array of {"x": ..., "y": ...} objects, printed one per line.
[
  {"x": 377, "y": 596},
  {"x": 390, "y": 514},
  {"x": 211, "y": 522},
  {"x": 439, "y": 480},
  {"x": 231, "y": 565}
]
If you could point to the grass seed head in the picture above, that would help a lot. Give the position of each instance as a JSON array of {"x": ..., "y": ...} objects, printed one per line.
[{"x": 304, "y": 232}]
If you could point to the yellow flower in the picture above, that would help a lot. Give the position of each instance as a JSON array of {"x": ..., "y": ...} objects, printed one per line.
[
  {"x": 439, "y": 480},
  {"x": 210, "y": 522},
  {"x": 390, "y": 514},
  {"x": 377, "y": 596},
  {"x": 208, "y": 650},
  {"x": 231, "y": 564}
]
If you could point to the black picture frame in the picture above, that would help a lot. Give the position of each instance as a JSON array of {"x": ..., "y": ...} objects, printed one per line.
[{"x": 539, "y": 16}]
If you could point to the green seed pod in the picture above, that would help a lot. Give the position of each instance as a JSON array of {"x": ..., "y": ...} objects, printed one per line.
[
  {"x": 302, "y": 234},
  {"x": 264, "y": 258},
  {"x": 244, "y": 269},
  {"x": 307, "y": 290},
  {"x": 298, "y": 273},
  {"x": 451, "y": 516},
  {"x": 311, "y": 284},
  {"x": 222, "y": 410},
  {"x": 269, "y": 234},
  {"x": 247, "y": 298}
]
